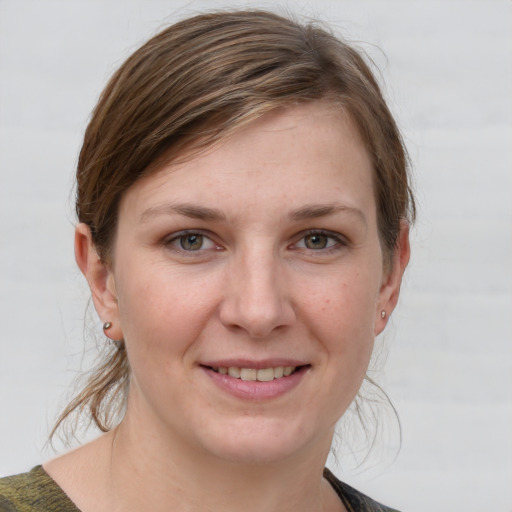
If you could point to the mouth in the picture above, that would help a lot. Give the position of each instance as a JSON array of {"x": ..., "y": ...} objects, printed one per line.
[
  {"x": 257, "y": 374},
  {"x": 256, "y": 381}
]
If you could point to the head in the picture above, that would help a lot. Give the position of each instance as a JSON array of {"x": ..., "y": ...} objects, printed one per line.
[{"x": 195, "y": 85}]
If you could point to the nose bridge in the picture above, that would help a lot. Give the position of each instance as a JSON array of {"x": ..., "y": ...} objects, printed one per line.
[{"x": 256, "y": 298}]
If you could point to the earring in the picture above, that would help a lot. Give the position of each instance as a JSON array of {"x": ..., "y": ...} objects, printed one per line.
[
  {"x": 118, "y": 343},
  {"x": 383, "y": 314}
]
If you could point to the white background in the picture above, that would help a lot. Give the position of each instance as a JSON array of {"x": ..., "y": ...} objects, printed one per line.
[{"x": 448, "y": 74}]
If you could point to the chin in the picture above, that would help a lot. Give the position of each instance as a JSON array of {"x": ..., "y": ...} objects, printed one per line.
[
  {"x": 254, "y": 453},
  {"x": 260, "y": 442}
]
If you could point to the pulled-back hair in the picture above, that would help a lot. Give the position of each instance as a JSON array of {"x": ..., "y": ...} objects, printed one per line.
[{"x": 194, "y": 84}]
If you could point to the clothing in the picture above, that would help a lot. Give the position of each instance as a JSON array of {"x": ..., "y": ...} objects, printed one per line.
[
  {"x": 353, "y": 500},
  {"x": 35, "y": 491}
]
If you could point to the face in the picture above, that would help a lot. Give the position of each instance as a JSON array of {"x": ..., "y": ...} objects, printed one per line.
[{"x": 249, "y": 286}]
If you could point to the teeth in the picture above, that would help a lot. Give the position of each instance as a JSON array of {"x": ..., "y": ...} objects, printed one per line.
[
  {"x": 288, "y": 370},
  {"x": 261, "y": 375},
  {"x": 265, "y": 374},
  {"x": 234, "y": 372},
  {"x": 248, "y": 374}
]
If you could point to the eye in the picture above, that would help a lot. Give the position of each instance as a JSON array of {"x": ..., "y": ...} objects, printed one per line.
[
  {"x": 191, "y": 242},
  {"x": 318, "y": 240}
]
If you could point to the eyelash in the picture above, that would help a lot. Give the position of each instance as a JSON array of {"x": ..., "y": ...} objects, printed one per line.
[
  {"x": 181, "y": 235},
  {"x": 335, "y": 240}
]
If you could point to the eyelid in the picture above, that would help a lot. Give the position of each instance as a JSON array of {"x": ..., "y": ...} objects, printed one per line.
[
  {"x": 173, "y": 237},
  {"x": 340, "y": 240}
]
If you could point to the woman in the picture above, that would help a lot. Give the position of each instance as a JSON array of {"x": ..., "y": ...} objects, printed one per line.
[{"x": 243, "y": 207}]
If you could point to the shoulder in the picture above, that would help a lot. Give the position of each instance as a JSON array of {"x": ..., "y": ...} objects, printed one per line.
[
  {"x": 34, "y": 491},
  {"x": 354, "y": 500}
]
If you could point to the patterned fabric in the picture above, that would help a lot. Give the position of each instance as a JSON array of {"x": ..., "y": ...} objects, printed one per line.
[{"x": 35, "y": 491}]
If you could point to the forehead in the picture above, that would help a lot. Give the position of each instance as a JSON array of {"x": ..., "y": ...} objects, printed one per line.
[{"x": 301, "y": 153}]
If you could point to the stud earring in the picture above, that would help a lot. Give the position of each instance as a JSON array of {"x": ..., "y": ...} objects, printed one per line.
[
  {"x": 118, "y": 343},
  {"x": 383, "y": 314}
]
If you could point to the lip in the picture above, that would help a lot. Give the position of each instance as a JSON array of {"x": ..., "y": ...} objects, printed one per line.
[
  {"x": 256, "y": 391},
  {"x": 251, "y": 363}
]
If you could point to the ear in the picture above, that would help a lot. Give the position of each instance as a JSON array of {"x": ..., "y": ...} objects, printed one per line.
[
  {"x": 390, "y": 288},
  {"x": 101, "y": 281}
]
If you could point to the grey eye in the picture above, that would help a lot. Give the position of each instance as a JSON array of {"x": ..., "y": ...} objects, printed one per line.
[
  {"x": 192, "y": 242},
  {"x": 316, "y": 241}
]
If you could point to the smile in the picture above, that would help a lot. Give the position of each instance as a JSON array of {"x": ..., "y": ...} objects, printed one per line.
[
  {"x": 253, "y": 374},
  {"x": 265, "y": 382}
]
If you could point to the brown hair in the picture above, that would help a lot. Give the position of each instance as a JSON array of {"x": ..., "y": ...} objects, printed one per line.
[{"x": 192, "y": 85}]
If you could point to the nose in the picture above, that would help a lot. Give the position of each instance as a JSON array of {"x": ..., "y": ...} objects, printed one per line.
[{"x": 257, "y": 295}]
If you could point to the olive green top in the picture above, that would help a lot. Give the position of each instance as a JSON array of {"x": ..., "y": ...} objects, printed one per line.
[{"x": 35, "y": 491}]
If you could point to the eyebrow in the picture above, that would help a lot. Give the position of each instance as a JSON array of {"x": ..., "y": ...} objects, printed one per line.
[
  {"x": 187, "y": 210},
  {"x": 315, "y": 211},
  {"x": 193, "y": 211}
]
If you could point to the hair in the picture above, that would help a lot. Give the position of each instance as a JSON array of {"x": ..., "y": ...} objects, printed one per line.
[{"x": 191, "y": 86}]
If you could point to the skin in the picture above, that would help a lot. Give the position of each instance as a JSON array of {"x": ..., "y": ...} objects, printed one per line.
[{"x": 286, "y": 264}]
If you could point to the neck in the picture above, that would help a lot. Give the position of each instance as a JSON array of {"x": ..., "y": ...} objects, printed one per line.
[{"x": 182, "y": 478}]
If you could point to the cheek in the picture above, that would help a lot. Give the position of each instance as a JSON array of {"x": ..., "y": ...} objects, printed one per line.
[
  {"x": 341, "y": 317},
  {"x": 344, "y": 309},
  {"x": 161, "y": 323},
  {"x": 159, "y": 313}
]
